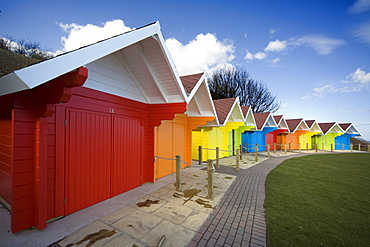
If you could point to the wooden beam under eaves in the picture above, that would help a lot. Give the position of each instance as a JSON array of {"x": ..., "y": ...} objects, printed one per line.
[{"x": 152, "y": 73}]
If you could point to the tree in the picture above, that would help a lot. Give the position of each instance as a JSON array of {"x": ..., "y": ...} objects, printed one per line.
[{"x": 229, "y": 82}]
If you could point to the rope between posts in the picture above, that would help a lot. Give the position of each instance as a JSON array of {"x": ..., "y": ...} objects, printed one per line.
[{"x": 171, "y": 159}]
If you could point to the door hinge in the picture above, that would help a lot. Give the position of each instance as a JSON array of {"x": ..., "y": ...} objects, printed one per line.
[
  {"x": 65, "y": 201},
  {"x": 65, "y": 122}
]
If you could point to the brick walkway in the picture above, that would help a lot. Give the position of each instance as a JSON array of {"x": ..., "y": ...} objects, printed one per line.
[{"x": 239, "y": 219}]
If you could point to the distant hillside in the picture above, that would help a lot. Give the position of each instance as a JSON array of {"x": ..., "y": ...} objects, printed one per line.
[{"x": 10, "y": 61}]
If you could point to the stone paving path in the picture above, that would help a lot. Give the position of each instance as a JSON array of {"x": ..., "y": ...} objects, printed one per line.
[{"x": 239, "y": 219}]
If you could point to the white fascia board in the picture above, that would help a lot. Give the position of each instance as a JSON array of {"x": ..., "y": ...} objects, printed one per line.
[
  {"x": 169, "y": 61},
  {"x": 237, "y": 115},
  {"x": 11, "y": 83},
  {"x": 248, "y": 116},
  {"x": 47, "y": 70},
  {"x": 315, "y": 127},
  {"x": 196, "y": 87},
  {"x": 270, "y": 121},
  {"x": 352, "y": 130},
  {"x": 301, "y": 126},
  {"x": 335, "y": 129},
  {"x": 283, "y": 124}
]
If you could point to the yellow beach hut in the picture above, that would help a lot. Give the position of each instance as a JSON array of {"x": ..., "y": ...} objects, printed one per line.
[{"x": 219, "y": 133}]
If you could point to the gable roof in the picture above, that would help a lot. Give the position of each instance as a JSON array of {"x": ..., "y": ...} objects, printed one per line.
[
  {"x": 263, "y": 120},
  {"x": 228, "y": 110},
  {"x": 330, "y": 127},
  {"x": 189, "y": 81},
  {"x": 134, "y": 65},
  {"x": 198, "y": 96},
  {"x": 248, "y": 115},
  {"x": 296, "y": 124},
  {"x": 313, "y": 126},
  {"x": 280, "y": 122},
  {"x": 349, "y": 128}
]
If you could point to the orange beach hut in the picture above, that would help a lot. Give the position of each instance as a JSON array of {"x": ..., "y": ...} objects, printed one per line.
[{"x": 174, "y": 137}]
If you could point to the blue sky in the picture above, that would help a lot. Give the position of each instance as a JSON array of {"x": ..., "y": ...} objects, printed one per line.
[{"x": 314, "y": 55}]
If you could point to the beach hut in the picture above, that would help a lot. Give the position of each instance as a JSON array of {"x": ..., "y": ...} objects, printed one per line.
[
  {"x": 174, "y": 137},
  {"x": 274, "y": 138},
  {"x": 326, "y": 140},
  {"x": 219, "y": 132},
  {"x": 249, "y": 123},
  {"x": 79, "y": 128},
  {"x": 265, "y": 124},
  {"x": 297, "y": 128},
  {"x": 306, "y": 139},
  {"x": 344, "y": 141}
]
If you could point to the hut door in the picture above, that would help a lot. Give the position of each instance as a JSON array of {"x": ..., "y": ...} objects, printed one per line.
[
  {"x": 126, "y": 167},
  {"x": 88, "y": 158}
]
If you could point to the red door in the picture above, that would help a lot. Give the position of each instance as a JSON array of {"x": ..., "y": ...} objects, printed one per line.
[
  {"x": 103, "y": 157},
  {"x": 126, "y": 154},
  {"x": 88, "y": 158}
]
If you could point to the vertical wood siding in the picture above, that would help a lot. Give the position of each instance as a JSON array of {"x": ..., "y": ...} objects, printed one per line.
[{"x": 5, "y": 158}]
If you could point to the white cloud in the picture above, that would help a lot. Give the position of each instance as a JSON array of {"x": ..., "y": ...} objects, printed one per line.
[
  {"x": 79, "y": 35},
  {"x": 276, "y": 45},
  {"x": 321, "y": 44},
  {"x": 362, "y": 32},
  {"x": 360, "y": 6},
  {"x": 359, "y": 76},
  {"x": 356, "y": 82},
  {"x": 200, "y": 54},
  {"x": 257, "y": 56}
]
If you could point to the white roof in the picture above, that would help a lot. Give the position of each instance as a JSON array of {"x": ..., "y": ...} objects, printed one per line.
[{"x": 134, "y": 65}]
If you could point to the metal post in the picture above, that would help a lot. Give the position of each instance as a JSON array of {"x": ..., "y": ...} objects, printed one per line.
[
  {"x": 200, "y": 154},
  {"x": 256, "y": 153},
  {"x": 268, "y": 150},
  {"x": 217, "y": 157},
  {"x": 210, "y": 179},
  {"x": 237, "y": 160},
  {"x": 178, "y": 174}
]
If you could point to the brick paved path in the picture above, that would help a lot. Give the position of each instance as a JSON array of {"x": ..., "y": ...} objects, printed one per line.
[{"x": 239, "y": 219}]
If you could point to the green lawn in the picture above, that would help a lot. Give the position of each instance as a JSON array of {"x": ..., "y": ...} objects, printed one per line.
[{"x": 319, "y": 200}]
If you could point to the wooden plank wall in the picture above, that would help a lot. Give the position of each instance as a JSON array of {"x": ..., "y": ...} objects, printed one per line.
[{"x": 5, "y": 157}]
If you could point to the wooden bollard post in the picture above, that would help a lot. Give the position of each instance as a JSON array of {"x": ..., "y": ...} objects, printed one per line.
[
  {"x": 274, "y": 148},
  {"x": 241, "y": 152},
  {"x": 323, "y": 146},
  {"x": 359, "y": 147},
  {"x": 210, "y": 179},
  {"x": 299, "y": 147},
  {"x": 237, "y": 160},
  {"x": 217, "y": 157},
  {"x": 289, "y": 146},
  {"x": 331, "y": 147},
  {"x": 285, "y": 148},
  {"x": 368, "y": 147},
  {"x": 178, "y": 174},
  {"x": 342, "y": 146},
  {"x": 351, "y": 147},
  {"x": 316, "y": 147},
  {"x": 256, "y": 153},
  {"x": 281, "y": 146},
  {"x": 200, "y": 155},
  {"x": 268, "y": 150},
  {"x": 307, "y": 147}
]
